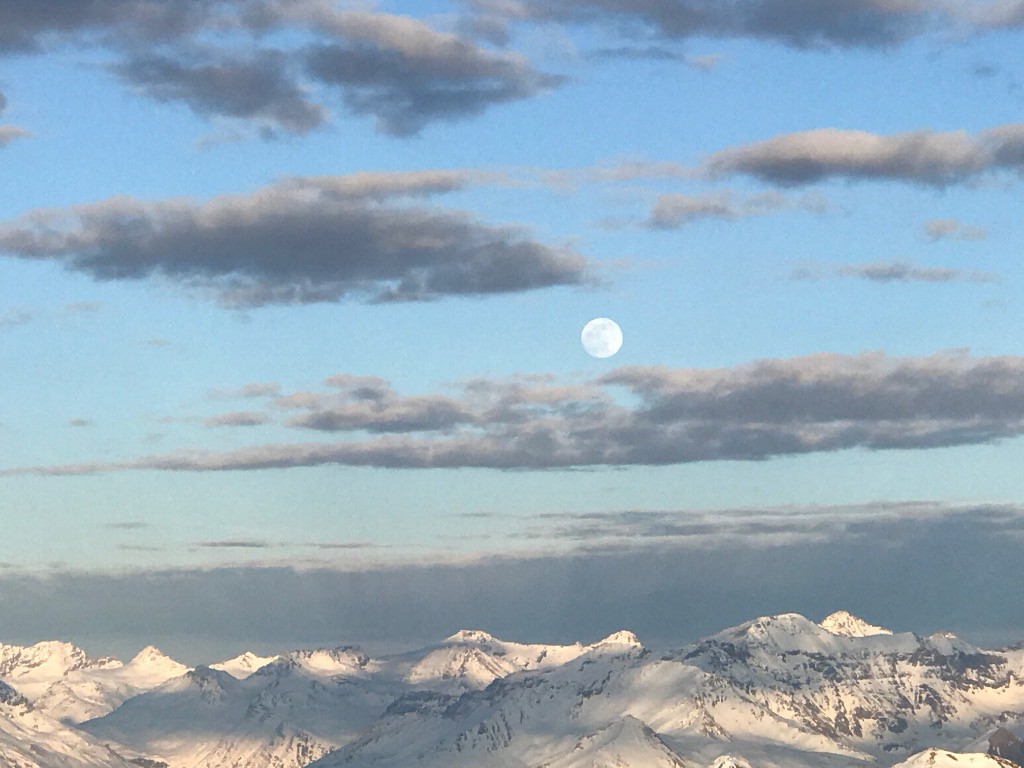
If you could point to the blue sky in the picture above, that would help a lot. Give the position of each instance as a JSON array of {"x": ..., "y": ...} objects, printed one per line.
[{"x": 300, "y": 285}]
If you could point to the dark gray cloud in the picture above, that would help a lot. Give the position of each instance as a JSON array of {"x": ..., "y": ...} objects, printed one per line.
[
  {"x": 80, "y": 422},
  {"x": 928, "y": 565},
  {"x": 3, "y": 102},
  {"x": 922, "y": 157},
  {"x": 896, "y": 272},
  {"x": 406, "y": 75},
  {"x": 29, "y": 26},
  {"x": 951, "y": 229},
  {"x": 796, "y": 23},
  {"x": 237, "y": 419},
  {"x": 318, "y": 239},
  {"x": 394, "y": 68},
  {"x": 258, "y": 88},
  {"x": 769, "y": 408},
  {"x": 675, "y": 211}
]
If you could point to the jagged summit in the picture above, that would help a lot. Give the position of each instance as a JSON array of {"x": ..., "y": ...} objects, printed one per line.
[
  {"x": 471, "y": 636},
  {"x": 845, "y": 624},
  {"x": 622, "y": 637}
]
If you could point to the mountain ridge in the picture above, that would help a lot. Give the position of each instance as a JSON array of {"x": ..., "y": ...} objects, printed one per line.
[{"x": 775, "y": 691}]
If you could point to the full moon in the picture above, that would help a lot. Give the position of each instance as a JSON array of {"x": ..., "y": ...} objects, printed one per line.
[{"x": 601, "y": 337}]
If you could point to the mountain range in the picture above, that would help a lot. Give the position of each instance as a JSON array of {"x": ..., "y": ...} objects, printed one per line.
[{"x": 776, "y": 691}]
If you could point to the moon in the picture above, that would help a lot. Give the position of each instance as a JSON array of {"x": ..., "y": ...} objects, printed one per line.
[{"x": 601, "y": 337}]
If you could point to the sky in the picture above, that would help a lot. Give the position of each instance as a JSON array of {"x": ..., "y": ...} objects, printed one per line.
[{"x": 291, "y": 296}]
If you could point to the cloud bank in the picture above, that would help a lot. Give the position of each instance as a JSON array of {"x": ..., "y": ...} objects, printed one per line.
[
  {"x": 769, "y": 408},
  {"x": 302, "y": 240},
  {"x": 928, "y": 565}
]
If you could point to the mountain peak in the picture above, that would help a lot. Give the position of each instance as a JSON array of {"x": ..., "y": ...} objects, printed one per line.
[
  {"x": 845, "y": 624},
  {"x": 471, "y": 636},
  {"x": 622, "y": 637}
]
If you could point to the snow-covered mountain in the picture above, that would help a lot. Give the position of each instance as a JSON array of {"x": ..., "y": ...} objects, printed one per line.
[
  {"x": 30, "y": 739},
  {"x": 776, "y": 691}
]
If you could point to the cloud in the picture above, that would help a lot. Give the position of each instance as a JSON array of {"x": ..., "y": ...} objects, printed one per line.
[
  {"x": 769, "y": 408},
  {"x": 405, "y": 74},
  {"x": 951, "y": 229},
  {"x": 394, "y": 68},
  {"x": 257, "y": 88},
  {"x": 127, "y": 525},
  {"x": 896, "y": 272},
  {"x": 9, "y": 133},
  {"x": 234, "y": 544},
  {"x": 29, "y": 27},
  {"x": 675, "y": 211},
  {"x": 901, "y": 272},
  {"x": 299, "y": 241},
  {"x": 12, "y": 318},
  {"x": 370, "y": 404},
  {"x": 80, "y": 422},
  {"x": 704, "y": 63},
  {"x": 929, "y": 563},
  {"x": 237, "y": 419},
  {"x": 795, "y": 23},
  {"x": 922, "y": 157},
  {"x": 247, "y": 391}
]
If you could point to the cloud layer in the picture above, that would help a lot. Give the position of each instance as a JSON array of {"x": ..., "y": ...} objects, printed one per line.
[
  {"x": 769, "y": 408},
  {"x": 670, "y": 576},
  {"x": 303, "y": 240}
]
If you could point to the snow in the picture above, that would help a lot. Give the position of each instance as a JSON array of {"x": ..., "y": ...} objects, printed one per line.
[
  {"x": 937, "y": 758},
  {"x": 775, "y": 692},
  {"x": 846, "y": 624},
  {"x": 244, "y": 665}
]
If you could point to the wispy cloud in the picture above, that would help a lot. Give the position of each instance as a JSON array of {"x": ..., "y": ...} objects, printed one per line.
[
  {"x": 922, "y": 157},
  {"x": 951, "y": 229},
  {"x": 302, "y": 240},
  {"x": 237, "y": 419},
  {"x": 675, "y": 211},
  {"x": 11, "y": 318},
  {"x": 704, "y": 63},
  {"x": 127, "y": 525},
  {"x": 9, "y": 133},
  {"x": 769, "y": 408},
  {"x": 234, "y": 544},
  {"x": 895, "y": 272},
  {"x": 252, "y": 390}
]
